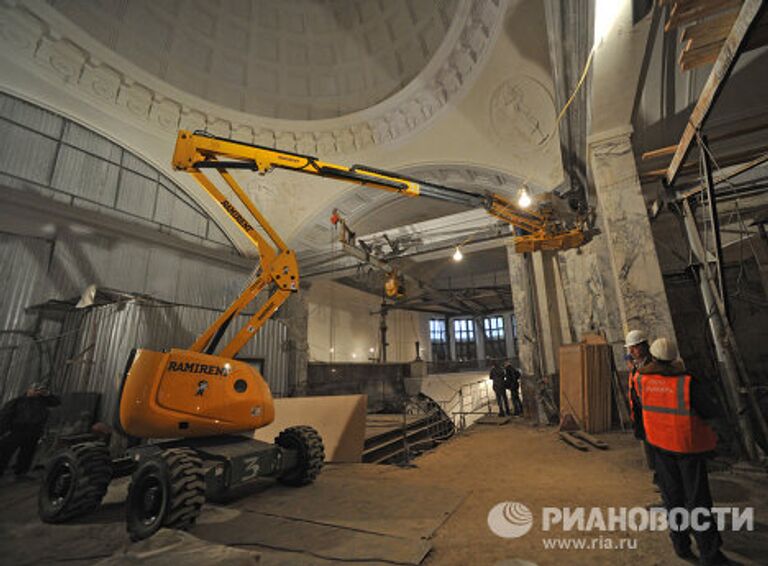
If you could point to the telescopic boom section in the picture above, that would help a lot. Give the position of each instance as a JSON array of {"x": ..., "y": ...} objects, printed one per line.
[{"x": 197, "y": 151}]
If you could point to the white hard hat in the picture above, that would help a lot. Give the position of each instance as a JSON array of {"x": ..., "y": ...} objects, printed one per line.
[
  {"x": 635, "y": 337},
  {"x": 664, "y": 350}
]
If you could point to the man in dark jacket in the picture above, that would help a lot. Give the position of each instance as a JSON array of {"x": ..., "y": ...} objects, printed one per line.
[
  {"x": 499, "y": 388},
  {"x": 22, "y": 422},
  {"x": 512, "y": 382}
]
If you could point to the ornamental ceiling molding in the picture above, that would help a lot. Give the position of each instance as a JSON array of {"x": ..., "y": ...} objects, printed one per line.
[
  {"x": 316, "y": 233},
  {"x": 38, "y": 33}
]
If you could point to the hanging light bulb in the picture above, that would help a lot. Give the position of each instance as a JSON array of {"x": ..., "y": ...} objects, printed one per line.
[
  {"x": 524, "y": 199},
  {"x": 457, "y": 255}
]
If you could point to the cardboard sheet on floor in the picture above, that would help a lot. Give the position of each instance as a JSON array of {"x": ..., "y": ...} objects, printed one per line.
[
  {"x": 177, "y": 547},
  {"x": 320, "y": 541},
  {"x": 347, "y": 514},
  {"x": 340, "y": 420},
  {"x": 379, "y": 505}
]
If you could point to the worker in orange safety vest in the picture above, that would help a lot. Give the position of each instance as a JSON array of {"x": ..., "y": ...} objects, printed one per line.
[
  {"x": 638, "y": 355},
  {"x": 673, "y": 405}
]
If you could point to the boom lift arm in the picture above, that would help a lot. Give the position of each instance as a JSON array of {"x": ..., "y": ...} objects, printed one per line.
[
  {"x": 541, "y": 230},
  {"x": 176, "y": 392}
]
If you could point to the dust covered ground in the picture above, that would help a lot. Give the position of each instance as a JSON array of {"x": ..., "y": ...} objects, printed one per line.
[
  {"x": 517, "y": 462},
  {"x": 435, "y": 513}
]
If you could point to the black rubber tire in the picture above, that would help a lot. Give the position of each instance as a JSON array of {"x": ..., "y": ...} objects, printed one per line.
[
  {"x": 177, "y": 484},
  {"x": 74, "y": 482},
  {"x": 311, "y": 454}
]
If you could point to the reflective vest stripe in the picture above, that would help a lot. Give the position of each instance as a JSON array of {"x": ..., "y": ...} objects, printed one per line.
[
  {"x": 682, "y": 405},
  {"x": 668, "y": 419}
]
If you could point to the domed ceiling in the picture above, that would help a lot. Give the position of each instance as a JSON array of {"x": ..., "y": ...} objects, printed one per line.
[{"x": 303, "y": 59}]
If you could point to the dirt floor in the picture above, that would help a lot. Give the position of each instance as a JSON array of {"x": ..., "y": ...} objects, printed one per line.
[
  {"x": 371, "y": 514},
  {"x": 532, "y": 466}
]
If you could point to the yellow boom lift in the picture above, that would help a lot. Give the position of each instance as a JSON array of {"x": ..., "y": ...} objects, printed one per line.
[{"x": 202, "y": 398}]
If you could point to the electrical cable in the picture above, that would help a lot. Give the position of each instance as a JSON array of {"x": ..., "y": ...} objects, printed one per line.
[{"x": 560, "y": 116}]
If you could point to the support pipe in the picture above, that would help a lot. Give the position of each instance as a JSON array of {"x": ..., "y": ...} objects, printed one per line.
[{"x": 724, "y": 340}]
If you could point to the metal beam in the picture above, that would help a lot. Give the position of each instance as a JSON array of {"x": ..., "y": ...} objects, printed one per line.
[
  {"x": 569, "y": 36},
  {"x": 717, "y": 77},
  {"x": 720, "y": 176},
  {"x": 714, "y": 219},
  {"x": 736, "y": 380}
]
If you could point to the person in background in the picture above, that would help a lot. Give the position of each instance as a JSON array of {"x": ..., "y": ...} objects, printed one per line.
[
  {"x": 22, "y": 422},
  {"x": 512, "y": 382},
  {"x": 673, "y": 406},
  {"x": 499, "y": 388}
]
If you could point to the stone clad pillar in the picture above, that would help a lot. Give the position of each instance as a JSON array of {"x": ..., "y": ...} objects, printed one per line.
[
  {"x": 524, "y": 299},
  {"x": 552, "y": 314},
  {"x": 588, "y": 285},
  {"x": 639, "y": 286},
  {"x": 479, "y": 338},
  {"x": 295, "y": 313}
]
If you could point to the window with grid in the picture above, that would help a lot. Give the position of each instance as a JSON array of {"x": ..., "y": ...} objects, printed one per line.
[
  {"x": 464, "y": 331},
  {"x": 495, "y": 344},
  {"x": 438, "y": 339}
]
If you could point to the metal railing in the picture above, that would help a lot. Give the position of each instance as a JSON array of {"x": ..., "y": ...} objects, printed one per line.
[{"x": 470, "y": 399}]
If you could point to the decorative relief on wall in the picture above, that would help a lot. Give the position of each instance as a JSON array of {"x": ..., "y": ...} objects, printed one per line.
[
  {"x": 35, "y": 31},
  {"x": 522, "y": 113}
]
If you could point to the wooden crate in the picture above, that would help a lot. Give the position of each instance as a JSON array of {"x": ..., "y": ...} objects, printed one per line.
[{"x": 585, "y": 385}]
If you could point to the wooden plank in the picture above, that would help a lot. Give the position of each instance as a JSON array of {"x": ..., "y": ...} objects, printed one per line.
[
  {"x": 709, "y": 37},
  {"x": 660, "y": 152},
  {"x": 699, "y": 11},
  {"x": 753, "y": 124},
  {"x": 723, "y": 21},
  {"x": 596, "y": 442},
  {"x": 571, "y": 390},
  {"x": 719, "y": 177},
  {"x": 702, "y": 56},
  {"x": 340, "y": 420},
  {"x": 723, "y": 161},
  {"x": 698, "y": 61},
  {"x": 568, "y": 438},
  {"x": 715, "y": 81}
]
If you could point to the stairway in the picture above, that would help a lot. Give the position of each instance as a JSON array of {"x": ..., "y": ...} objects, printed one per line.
[{"x": 396, "y": 438}]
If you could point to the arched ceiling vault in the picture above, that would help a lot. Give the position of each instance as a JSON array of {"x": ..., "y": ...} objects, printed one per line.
[
  {"x": 298, "y": 60},
  {"x": 106, "y": 90}
]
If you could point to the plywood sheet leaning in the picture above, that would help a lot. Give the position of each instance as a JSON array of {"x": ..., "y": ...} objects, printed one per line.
[
  {"x": 585, "y": 385},
  {"x": 340, "y": 420},
  {"x": 571, "y": 387}
]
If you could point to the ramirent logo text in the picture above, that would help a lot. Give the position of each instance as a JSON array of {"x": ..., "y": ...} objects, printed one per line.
[
  {"x": 236, "y": 215},
  {"x": 189, "y": 367}
]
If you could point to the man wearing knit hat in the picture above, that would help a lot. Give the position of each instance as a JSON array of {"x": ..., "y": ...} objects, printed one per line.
[{"x": 673, "y": 407}]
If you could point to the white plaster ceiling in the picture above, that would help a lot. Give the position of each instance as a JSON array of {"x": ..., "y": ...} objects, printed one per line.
[{"x": 299, "y": 60}]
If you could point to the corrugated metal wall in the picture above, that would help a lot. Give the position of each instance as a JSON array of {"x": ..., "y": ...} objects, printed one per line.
[
  {"x": 96, "y": 343},
  {"x": 44, "y": 257},
  {"x": 48, "y": 154}
]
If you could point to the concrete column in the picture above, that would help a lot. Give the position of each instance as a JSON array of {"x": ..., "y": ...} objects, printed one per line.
[
  {"x": 590, "y": 295},
  {"x": 642, "y": 299},
  {"x": 527, "y": 338},
  {"x": 534, "y": 387},
  {"x": 295, "y": 314},
  {"x": 479, "y": 337},
  {"x": 451, "y": 339},
  {"x": 509, "y": 338},
  {"x": 552, "y": 313}
]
